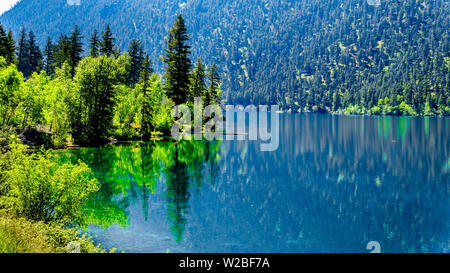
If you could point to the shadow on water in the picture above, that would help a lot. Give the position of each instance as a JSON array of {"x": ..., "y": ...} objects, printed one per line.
[{"x": 335, "y": 184}]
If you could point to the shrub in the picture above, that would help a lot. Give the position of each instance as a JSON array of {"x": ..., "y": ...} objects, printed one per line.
[
  {"x": 37, "y": 187},
  {"x": 18, "y": 235},
  {"x": 375, "y": 110}
]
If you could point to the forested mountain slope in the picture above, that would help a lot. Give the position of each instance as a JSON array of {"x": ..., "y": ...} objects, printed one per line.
[{"x": 313, "y": 55}]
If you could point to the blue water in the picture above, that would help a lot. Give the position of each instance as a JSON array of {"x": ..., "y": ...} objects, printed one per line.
[{"x": 334, "y": 184}]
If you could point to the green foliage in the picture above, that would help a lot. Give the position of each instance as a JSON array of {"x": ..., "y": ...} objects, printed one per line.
[
  {"x": 56, "y": 110},
  {"x": 147, "y": 101},
  {"x": 126, "y": 113},
  {"x": 161, "y": 118},
  {"x": 89, "y": 100},
  {"x": 10, "y": 87},
  {"x": 37, "y": 187},
  {"x": 158, "y": 108},
  {"x": 92, "y": 105}
]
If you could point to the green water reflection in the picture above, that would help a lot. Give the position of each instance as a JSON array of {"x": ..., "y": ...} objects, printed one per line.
[{"x": 129, "y": 174}]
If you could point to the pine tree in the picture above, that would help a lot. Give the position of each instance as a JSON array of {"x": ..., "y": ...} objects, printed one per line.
[
  {"x": 49, "y": 62},
  {"x": 62, "y": 51},
  {"x": 107, "y": 44},
  {"x": 3, "y": 42},
  {"x": 136, "y": 53},
  {"x": 76, "y": 48},
  {"x": 10, "y": 49},
  {"x": 23, "y": 53},
  {"x": 178, "y": 63},
  {"x": 213, "y": 93},
  {"x": 146, "y": 126},
  {"x": 198, "y": 83},
  {"x": 35, "y": 55},
  {"x": 94, "y": 45}
]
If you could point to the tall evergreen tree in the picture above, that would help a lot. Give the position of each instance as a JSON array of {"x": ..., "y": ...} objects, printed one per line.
[
  {"x": 178, "y": 63},
  {"x": 3, "y": 42},
  {"x": 49, "y": 61},
  {"x": 76, "y": 48},
  {"x": 136, "y": 52},
  {"x": 198, "y": 80},
  {"x": 62, "y": 51},
  {"x": 23, "y": 52},
  {"x": 35, "y": 55},
  {"x": 10, "y": 48},
  {"x": 107, "y": 43},
  {"x": 213, "y": 93},
  {"x": 94, "y": 45}
]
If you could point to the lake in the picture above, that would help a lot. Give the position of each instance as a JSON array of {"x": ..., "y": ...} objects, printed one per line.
[{"x": 334, "y": 184}]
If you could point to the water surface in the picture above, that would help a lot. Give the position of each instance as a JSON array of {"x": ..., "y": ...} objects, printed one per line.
[{"x": 334, "y": 184}]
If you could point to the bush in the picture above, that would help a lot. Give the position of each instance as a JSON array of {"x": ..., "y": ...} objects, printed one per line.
[
  {"x": 162, "y": 119},
  {"x": 37, "y": 187},
  {"x": 407, "y": 109},
  {"x": 375, "y": 110},
  {"x": 18, "y": 235}
]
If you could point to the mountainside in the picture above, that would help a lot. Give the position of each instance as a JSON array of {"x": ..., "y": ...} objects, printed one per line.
[{"x": 315, "y": 55}]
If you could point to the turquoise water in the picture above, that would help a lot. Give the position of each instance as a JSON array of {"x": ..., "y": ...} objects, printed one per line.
[{"x": 334, "y": 184}]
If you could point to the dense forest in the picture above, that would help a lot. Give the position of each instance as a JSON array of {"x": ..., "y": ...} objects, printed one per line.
[
  {"x": 347, "y": 56},
  {"x": 108, "y": 93}
]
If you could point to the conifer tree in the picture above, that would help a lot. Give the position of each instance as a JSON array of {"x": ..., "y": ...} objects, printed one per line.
[
  {"x": 10, "y": 48},
  {"x": 107, "y": 43},
  {"x": 178, "y": 63},
  {"x": 48, "y": 52},
  {"x": 198, "y": 83},
  {"x": 23, "y": 52},
  {"x": 76, "y": 48},
  {"x": 35, "y": 55},
  {"x": 136, "y": 52},
  {"x": 94, "y": 45}
]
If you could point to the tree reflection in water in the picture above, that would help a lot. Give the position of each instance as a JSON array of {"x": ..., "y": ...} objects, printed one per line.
[
  {"x": 129, "y": 174},
  {"x": 335, "y": 184}
]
